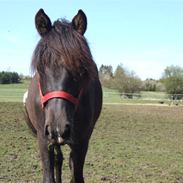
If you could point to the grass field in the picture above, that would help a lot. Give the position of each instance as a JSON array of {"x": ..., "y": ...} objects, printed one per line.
[
  {"x": 14, "y": 93},
  {"x": 137, "y": 144}
]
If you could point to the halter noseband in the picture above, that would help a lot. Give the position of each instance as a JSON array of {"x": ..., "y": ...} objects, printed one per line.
[{"x": 58, "y": 94}]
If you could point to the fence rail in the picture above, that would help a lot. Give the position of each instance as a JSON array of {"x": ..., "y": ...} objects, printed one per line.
[{"x": 143, "y": 97}]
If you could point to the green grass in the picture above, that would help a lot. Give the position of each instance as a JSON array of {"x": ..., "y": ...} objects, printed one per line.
[
  {"x": 145, "y": 98},
  {"x": 13, "y": 92},
  {"x": 154, "y": 95},
  {"x": 136, "y": 144},
  {"x": 111, "y": 96}
]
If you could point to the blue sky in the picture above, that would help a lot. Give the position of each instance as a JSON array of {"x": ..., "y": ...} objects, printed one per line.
[{"x": 144, "y": 35}]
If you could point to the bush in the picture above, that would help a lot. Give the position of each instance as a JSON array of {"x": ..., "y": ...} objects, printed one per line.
[
  {"x": 173, "y": 79},
  {"x": 9, "y": 77},
  {"x": 153, "y": 85},
  {"x": 125, "y": 81}
]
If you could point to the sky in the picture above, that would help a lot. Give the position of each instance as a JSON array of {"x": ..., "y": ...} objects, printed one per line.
[{"x": 145, "y": 36}]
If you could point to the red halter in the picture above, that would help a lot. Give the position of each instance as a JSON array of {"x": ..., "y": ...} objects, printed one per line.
[{"x": 58, "y": 94}]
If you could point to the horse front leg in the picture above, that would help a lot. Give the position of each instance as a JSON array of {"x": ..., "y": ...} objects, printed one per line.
[
  {"x": 47, "y": 159},
  {"x": 58, "y": 164},
  {"x": 76, "y": 162},
  {"x": 52, "y": 158}
]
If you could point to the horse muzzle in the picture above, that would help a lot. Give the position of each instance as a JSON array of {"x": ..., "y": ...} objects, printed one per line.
[{"x": 57, "y": 136}]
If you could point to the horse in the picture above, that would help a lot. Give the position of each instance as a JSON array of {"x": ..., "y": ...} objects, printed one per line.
[{"x": 64, "y": 98}]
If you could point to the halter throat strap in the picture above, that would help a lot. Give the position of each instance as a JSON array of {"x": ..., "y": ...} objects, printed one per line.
[{"x": 58, "y": 94}]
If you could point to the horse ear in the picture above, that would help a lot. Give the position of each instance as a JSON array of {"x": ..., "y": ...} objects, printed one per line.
[
  {"x": 79, "y": 22},
  {"x": 43, "y": 23}
]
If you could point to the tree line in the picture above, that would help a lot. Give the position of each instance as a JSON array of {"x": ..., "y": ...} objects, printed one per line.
[
  {"x": 126, "y": 81},
  {"x": 9, "y": 77}
]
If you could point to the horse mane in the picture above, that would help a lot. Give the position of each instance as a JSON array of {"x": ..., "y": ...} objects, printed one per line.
[{"x": 64, "y": 47}]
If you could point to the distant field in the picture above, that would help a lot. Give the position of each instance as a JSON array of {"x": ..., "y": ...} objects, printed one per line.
[
  {"x": 130, "y": 144},
  {"x": 113, "y": 96},
  {"x": 14, "y": 93}
]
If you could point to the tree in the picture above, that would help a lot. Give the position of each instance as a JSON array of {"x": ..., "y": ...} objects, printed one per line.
[
  {"x": 149, "y": 85},
  {"x": 173, "y": 79},
  {"x": 119, "y": 78},
  {"x": 15, "y": 78},
  {"x": 106, "y": 70},
  {"x": 133, "y": 83},
  {"x": 173, "y": 71},
  {"x": 9, "y": 77},
  {"x": 126, "y": 82},
  {"x": 106, "y": 75},
  {"x": 5, "y": 78}
]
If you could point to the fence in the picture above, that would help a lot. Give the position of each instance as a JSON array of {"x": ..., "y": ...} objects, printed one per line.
[{"x": 143, "y": 98}]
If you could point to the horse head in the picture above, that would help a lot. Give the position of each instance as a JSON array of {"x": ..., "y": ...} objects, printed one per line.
[{"x": 64, "y": 64}]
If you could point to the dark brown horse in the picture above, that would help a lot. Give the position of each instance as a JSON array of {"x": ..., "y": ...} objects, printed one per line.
[{"x": 65, "y": 97}]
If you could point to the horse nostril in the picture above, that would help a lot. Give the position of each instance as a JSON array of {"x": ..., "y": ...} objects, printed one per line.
[
  {"x": 66, "y": 133},
  {"x": 67, "y": 126},
  {"x": 47, "y": 130}
]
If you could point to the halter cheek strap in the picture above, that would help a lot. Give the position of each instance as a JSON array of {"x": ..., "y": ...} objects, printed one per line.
[{"x": 58, "y": 94}]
